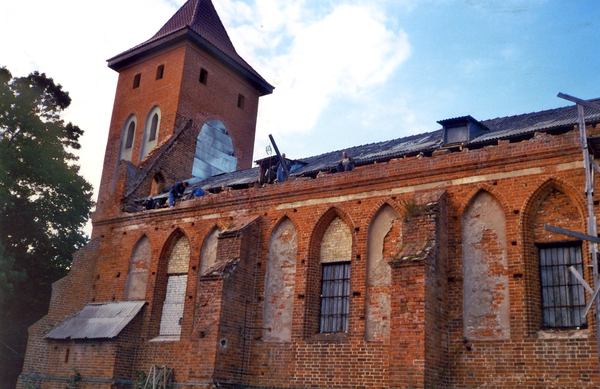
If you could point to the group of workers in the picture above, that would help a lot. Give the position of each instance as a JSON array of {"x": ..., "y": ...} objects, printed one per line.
[{"x": 177, "y": 190}]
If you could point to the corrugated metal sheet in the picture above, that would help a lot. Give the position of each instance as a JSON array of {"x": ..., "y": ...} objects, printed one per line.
[{"x": 97, "y": 321}]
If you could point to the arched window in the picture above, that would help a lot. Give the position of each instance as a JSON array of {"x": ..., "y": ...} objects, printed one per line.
[
  {"x": 127, "y": 138},
  {"x": 158, "y": 184},
  {"x": 336, "y": 254},
  {"x": 177, "y": 274},
  {"x": 151, "y": 132},
  {"x": 562, "y": 298}
]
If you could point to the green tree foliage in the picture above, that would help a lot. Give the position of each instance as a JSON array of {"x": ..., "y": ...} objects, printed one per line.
[{"x": 44, "y": 205}]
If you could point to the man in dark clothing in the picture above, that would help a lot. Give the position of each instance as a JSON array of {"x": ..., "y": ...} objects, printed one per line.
[
  {"x": 346, "y": 164},
  {"x": 176, "y": 192},
  {"x": 196, "y": 192},
  {"x": 149, "y": 203},
  {"x": 280, "y": 172}
]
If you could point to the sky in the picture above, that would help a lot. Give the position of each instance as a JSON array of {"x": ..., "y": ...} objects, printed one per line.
[{"x": 346, "y": 72}]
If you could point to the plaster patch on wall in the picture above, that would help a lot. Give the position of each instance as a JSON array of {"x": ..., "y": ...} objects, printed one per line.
[
  {"x": 485, "y": 270},
  {"x": 280, "y": 283},
  {"x": 137, "y": 279},
  {"x": 379, "y": 276},
  {"x": 208, "y": 257}
]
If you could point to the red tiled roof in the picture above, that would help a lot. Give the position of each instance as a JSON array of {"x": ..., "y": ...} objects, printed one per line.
[{"x": 201, "y": 18}]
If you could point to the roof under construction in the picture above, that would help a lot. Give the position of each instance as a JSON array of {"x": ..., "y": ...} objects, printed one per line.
[{"x": 511, "y": 127}]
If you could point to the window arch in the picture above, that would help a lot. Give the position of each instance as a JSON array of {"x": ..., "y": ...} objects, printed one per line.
[
  {"x": 128, "y": 138},
  {"x": 335, "y": 257},
  {"x": 151, "y": 132},
  {"x": 172, "y": 286},
  {"x": 559, "y": 298}
]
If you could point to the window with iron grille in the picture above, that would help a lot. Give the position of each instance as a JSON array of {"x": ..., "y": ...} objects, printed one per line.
[
  {"x": 335, "y": 297},
  {"x": 563, "y": 296}
]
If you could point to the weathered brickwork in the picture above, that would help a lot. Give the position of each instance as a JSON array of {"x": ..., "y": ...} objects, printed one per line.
[
  {"x": 337, "y": 242},
  {"x": 445, "y": 287},
  {"x": 223, "y": 325}
]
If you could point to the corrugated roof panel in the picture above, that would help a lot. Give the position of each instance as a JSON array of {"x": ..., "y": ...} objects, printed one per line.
[
  {"x": 499, "y": 128},
  {"x": 97, "y": 321}
]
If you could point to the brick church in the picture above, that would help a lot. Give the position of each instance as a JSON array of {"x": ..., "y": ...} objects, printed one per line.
[{"x": 425, "y": 266}]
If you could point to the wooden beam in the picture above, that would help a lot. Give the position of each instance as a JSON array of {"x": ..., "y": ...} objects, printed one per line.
[
  {"x": 573, "y": 234},
  {"x": 585, "y": 103}
]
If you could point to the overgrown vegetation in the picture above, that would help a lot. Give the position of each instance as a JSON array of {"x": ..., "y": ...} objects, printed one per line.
[
  {"x": 44, "y": 205},
  {"x": 412, "y": 208},
  {"x": 74, "y": 380}
]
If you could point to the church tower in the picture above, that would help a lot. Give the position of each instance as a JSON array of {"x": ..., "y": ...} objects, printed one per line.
[{"x": 185, "y": 86}]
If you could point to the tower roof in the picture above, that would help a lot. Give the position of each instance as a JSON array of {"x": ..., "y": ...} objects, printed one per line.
[{"x": 198, "y": 21}]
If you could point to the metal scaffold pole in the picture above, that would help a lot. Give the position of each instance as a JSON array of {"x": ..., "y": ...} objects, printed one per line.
[{"x": 592, "y": 227}]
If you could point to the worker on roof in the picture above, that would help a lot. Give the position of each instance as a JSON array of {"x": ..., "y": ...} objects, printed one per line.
[
  {"x": 176, "y": 192},
  {"x": 281, "y": 177},
  {"x": 346, "y": 164},
  {"x": 149, "y": 203},
  {"x": 197, "y": 191}
]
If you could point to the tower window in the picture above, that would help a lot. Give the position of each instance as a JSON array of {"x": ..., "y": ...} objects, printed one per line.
[
  {"x": 130, "y": 133},
  {"x": 153, "y": 127},
  {"x": 136, "y": 80},
  {"x": 160, "y": 71},
  {"x": 241, "y": 100},
  {"x": 203, "y": 76}
]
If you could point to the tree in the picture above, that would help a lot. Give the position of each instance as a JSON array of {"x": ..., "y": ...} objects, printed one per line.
[{"x": 44, "y": 205}]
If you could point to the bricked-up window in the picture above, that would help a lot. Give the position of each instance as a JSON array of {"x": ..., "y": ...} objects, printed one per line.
[
  {"x": 335, "y": 297},
  {"x": 160, "y": 71},
  {"x": 177, "y": 273},
  {"x": 563, "y": 297},
  {"x": 241, "y": 101},
  {"x": 203, "y": 76},
  {"x": 136, "y": 80}
]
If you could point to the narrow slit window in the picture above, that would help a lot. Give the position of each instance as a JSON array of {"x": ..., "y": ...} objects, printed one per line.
[
  {"x": 160, "y": 71},
  {"x": 203, "y": 76},
  {"x": 130, "y": 133},
  {"x": 153, "y": 127},
  {"x": 335, "y": 297},
  {"x": 136, "y": 80},
  {"x": 241, "y": 101},
  {"x": 563, "y": 297}
]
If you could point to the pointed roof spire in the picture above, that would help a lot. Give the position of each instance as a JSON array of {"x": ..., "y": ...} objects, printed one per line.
[{"x": 198, "y": 21}]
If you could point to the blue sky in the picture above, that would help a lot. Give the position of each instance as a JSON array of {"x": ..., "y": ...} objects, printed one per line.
[{"x": 346, "y": 72}]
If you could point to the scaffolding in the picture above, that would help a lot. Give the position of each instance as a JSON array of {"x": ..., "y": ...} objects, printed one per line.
[
  {"x": 159, "y": 377},
  {"x": 590, "y": 167}
]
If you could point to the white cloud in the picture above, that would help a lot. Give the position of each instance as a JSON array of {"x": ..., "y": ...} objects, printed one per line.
[{"x": 343, "y": 53}]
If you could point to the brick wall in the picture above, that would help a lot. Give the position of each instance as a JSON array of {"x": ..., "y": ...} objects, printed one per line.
[{"x": 535, "y": 182}]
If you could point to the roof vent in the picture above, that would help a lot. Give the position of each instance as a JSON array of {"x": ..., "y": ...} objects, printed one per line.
[{"x": 461, "y": 130}]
